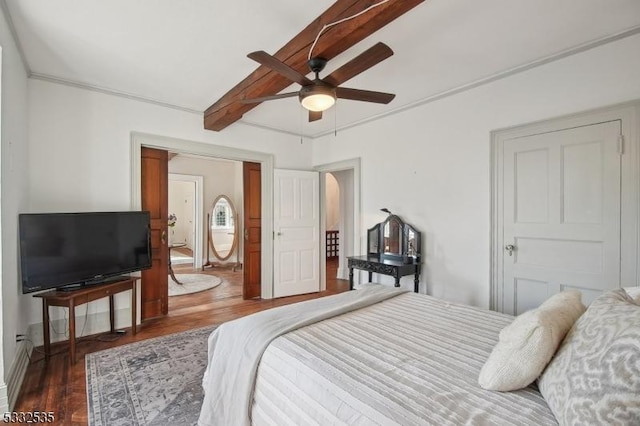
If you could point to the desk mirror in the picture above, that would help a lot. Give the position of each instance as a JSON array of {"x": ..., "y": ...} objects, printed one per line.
[
  {"x": 394, "y": 239},
  {"x": 392, "y": 232},
  {"x": 223, "y": 230}
]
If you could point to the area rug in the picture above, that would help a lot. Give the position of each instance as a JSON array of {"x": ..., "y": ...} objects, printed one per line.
[
  {"x": 152, "y": 382},
  {"x": 178, "y": 258},
  {"x": 192, "y": 283}
]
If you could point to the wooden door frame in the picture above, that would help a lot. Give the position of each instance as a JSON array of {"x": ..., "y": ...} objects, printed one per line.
[
  {"x": 629, "y": 116},
  {"x": 350, "y": 164},
  {"x": 184, "y": 146}
]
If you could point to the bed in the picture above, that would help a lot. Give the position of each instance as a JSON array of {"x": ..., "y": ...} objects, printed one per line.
[{"x": 409, "y": 359}]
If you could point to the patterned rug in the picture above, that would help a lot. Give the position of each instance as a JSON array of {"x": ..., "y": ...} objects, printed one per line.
[
  {"x": 152, "y": 382},
  {"x": 192, "y": 283}
]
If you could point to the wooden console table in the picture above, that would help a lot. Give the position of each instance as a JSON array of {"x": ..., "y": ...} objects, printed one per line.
[
  {"x": 73, "y": 298},
  {"x": 395, "y": 268}
]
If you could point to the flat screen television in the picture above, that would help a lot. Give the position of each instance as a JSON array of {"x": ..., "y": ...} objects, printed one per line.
[{"x": 74, "y": 249}]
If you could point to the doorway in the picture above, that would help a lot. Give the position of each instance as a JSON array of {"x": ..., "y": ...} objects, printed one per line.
[
  {"x": 196, "y": 186},
  {"x": 332, "y": 224},
  {"x": 185, "y": 200},
  {"x": 189, "y": 148},
  {"x": 565, "y": 208},
  {"x": 339, "y": 208}
]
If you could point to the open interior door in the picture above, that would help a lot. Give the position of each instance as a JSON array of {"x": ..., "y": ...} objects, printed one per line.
[
  {"x": 154, "y": 295},
  {"x": 252, "y": 186},
  {"x": 296, "y": 246}
]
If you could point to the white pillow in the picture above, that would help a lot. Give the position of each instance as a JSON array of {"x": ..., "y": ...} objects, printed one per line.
[
  {"x": 634, "y": 293},
  {"x": 528, "y": 343}
]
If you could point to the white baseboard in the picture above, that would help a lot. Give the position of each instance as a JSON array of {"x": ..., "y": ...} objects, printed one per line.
[
  {"x": 95, "y": 323},
  {"x": 343, "y": 273},
  {"x": 9, "y": 391},
  {"x": 4, "y": 398}
]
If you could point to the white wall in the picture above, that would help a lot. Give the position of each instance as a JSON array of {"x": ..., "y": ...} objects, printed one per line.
[
  {"x": 14, "y": 178},
  {"x": 438, "y": 176},
  {"x": 79, "y": 148}
]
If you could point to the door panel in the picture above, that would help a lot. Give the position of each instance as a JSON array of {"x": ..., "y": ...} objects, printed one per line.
[
  {"x": 155, "y": 183},
  {"x": 189, "y": 213},
  {"x": 297, "y": 229},
  {"x": 252, "y": 185},
  {"x": 561, "y": 214}
]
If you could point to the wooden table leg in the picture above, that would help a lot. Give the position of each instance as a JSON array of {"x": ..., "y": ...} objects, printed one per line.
[
  {"x": 370, "y": 276},
  {"x": 416, "y": 282},
  {"x": 45, "y": 328},
  {"x": 112, "y": 314},
  {"x": 134, "y": 303},
  {"x": 72, "y": 331}
]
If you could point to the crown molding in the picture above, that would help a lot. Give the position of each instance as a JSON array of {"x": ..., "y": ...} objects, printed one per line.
[
  {"x": 14, "y": 35},
  {"x": 275, "y": 129},
  {"x": 438, "y": 96},
  {"x": 99, "y": 89},
  {"x": 490, "y": 79}
]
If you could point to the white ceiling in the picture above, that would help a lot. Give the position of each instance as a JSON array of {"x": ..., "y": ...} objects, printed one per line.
[{"x": 190, "y": 53}]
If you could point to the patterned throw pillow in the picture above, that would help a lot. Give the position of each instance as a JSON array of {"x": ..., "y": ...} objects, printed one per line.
[{"x": 594, "y": 378}]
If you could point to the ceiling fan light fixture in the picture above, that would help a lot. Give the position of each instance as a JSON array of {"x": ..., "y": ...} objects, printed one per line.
[
  {"x": 317, "y": 98},
  {"x": 318, "y": 102}
]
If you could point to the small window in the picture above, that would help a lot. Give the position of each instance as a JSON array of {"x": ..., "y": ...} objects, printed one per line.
[{"x": 222, "y": 215}]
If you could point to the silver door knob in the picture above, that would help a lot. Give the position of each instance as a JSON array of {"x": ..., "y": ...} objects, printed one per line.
[{"x": 510, "y": 248}]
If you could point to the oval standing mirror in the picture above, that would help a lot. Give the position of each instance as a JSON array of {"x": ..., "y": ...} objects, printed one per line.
[{"x": 223, "y": 238}]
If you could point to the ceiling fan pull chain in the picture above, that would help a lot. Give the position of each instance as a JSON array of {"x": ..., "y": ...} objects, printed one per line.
[{"x": 335, "y": 121}]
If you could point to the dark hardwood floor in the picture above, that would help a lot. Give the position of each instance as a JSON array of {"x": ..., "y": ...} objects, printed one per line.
[{"x": 55, "y": 386}]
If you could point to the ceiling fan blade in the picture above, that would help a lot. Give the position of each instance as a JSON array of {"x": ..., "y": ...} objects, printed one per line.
[
  {"x": 364, "y": 95},
  {"x": 315, "y": 116},
  {"x": 268, "y": 98},
  {"x": 280, "y": 67},
  {"x": 360, "y": 63}
]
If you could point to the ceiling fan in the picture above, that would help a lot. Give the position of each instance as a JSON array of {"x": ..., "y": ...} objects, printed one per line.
[{"x": 320, "y": 94}]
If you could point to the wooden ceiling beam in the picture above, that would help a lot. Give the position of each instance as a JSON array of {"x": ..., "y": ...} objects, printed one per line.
[{"x": 333, "y": 41}]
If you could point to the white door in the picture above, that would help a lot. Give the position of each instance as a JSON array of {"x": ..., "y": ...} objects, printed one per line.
[
  {"x": 296, "y": 226},
  {"x": 561, "y": 215},
  {"x": 189, "y": 214}
]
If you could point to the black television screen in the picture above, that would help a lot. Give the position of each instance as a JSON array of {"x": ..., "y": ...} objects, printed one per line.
[{"x": 67, "y": 249}]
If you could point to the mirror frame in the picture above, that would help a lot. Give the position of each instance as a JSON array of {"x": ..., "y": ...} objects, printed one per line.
[
  {"x": 406, "y": 253},
  {"x": 235, "y": 228}
]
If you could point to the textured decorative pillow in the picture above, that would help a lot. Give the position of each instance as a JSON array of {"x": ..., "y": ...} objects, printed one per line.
[
  {"x": 594, "y": 379},
  {"x": 528, "y": 343},
  {"x": 634, "y": 292}
]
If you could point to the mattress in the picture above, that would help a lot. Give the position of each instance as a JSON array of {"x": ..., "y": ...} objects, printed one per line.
[{"x": 409, "y": 360}]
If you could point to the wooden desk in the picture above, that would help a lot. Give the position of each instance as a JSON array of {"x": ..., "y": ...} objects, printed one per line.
[
  {"x": 395, "y": 268},
  {"x": 73, "y": 298}
]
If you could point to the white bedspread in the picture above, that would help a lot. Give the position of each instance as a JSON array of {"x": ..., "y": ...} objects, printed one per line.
[
  {"x": 410, "y": 360},
  {"x": 236, "y": 347}
]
